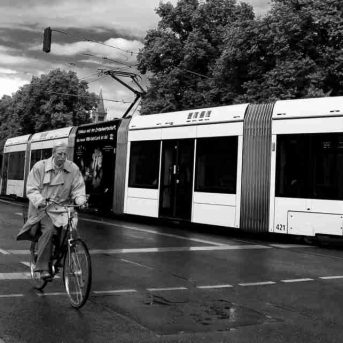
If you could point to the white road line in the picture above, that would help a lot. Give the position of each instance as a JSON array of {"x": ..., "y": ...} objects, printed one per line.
[
  {"x": 19, "y": 252},
  {"x": 4, "y": 252},
  {"x": 214, "y": 286},
  {"x": 152, "y": 231},
  {"x": 166, "y": 289},
  {"x": 18, "y": 214},
  {"x": 135, "y": 263},
  {"x": 177, "y": 249},
  {"x": 288, "y": 246},
  {"x": 163, "y": 249},
  {"x": 15, "y": 276},
  {"x": 331, "y": 277},
  {"x": 27, "y": 264},
  {"x": 116, "y": 291},
  {"x": 11, "y": 295},
  {"x": 48, "y": 294},
  {"x": 244, "y": 284},
  {"x": 297, "y": 280}
]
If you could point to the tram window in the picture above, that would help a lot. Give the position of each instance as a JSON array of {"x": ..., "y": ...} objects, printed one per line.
[
  {"x": 36, "y": 155},
  {"x": 46, "y": 153},
  {"x": 292, "y": 166},
  {"x": 328, "y": 166},
  {"x": 16, "y": 165},
  {"x": 216, "y": 165},
  {"x": 144, "y": 164},
  {"x": 310, "y": 166}
]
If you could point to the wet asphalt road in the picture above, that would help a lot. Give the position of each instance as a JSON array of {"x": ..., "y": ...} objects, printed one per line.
[{"x": 170, "y": 284}]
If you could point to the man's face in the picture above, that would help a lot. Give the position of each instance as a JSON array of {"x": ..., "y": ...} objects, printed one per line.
[{"x": 60, "y": 155}]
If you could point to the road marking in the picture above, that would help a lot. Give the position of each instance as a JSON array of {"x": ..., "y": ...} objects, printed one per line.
[
  {"x": 257, "y": 283},
  {"x": 27, "y": 264},
  {"x": 20, "y": 276},
  {"x": 163, "y": 249},
  {"x": 18, "y": 214},
  {"x": 288, "y": 246},
  {"x": 214, "y": 286},
  {"x": 331, "y": 277},
  {"x": 15, "y": 276},
  {"x": 11, "y": 295},
  {"x": 152, "y": 231},
  {"x": 53, "y": 294},
  {"x": 19, "y": 252},
  {"x": 297, "y": 280},
  {"x": 177, "y": 249},
  {"x": 135, "y": 263},
  {"x": 4, "y": 252},
  {"x": 166, "y": 289},
  {"x": 116, "y": 291}
]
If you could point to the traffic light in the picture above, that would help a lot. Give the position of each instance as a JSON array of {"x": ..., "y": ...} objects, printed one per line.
[{"x": 47, "y": 40}]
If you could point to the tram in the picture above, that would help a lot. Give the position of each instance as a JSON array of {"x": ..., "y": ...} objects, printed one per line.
[{"x": 273, "y": 167}]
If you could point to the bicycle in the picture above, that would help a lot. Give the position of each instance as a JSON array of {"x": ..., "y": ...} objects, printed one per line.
[{"x": 73, "y": 251}]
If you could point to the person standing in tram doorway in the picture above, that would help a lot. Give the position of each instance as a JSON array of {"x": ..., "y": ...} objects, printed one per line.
[{"x": 60, "y": 180}]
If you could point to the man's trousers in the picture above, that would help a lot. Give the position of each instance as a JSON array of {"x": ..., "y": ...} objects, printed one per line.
[{"x": 45, "y": 244}]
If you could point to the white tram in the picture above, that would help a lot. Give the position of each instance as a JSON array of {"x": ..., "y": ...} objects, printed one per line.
[
  {"x": 187, "y": 165},
  {"x": 274, "y": 167},
  {"x": 14, "y": 163},
  {"x": 41, "y": 143},
  {"x": 307, "y": 167},
  {"x": 21, "y": 153}
]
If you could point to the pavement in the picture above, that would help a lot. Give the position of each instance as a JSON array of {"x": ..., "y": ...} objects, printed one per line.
[{"x": 160, "y": 283}]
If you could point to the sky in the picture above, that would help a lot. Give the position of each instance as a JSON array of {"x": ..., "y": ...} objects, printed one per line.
[{"x": 118, "y": 25}]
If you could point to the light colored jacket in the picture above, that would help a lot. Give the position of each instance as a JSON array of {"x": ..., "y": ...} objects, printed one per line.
[{"x": 65, "y": 186}]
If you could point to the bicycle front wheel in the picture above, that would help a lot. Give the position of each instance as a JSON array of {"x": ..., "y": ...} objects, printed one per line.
[{"x": 77, "y": 273}]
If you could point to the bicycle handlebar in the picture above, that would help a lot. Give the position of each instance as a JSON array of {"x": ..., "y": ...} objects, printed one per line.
[{"x": 53, "y": 202}]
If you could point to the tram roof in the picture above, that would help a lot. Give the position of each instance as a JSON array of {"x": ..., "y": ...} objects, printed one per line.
[
  {"x": 17, "y": 140},
  {"x": 233, "y": 113},
  {"x": 52, "y": 134},
  {"x": 312, "y": 107}
]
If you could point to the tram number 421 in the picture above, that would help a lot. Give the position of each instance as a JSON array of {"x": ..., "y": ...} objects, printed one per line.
[{"x": 280, "y": 227}]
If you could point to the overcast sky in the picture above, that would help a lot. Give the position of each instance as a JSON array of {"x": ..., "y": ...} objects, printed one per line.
[{"x": 119, "y": 23}]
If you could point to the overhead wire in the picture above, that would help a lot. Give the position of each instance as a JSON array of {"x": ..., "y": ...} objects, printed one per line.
[
  {"x": 97, "y": 42},
  {"x": 87, "y": 96}
]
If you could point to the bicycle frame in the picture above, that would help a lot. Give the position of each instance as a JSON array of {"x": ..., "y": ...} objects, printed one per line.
[
  {"x": 66, "y": 242},
  {"x": 77, "y": 267}
]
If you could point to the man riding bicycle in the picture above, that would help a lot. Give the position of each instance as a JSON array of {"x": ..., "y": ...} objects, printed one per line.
[{"x": 61, "y": 180}]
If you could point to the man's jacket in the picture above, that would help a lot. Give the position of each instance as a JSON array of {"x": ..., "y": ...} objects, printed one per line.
[{"x": 63, "y": 186}]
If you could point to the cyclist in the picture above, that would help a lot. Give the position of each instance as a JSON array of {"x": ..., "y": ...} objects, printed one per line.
[{"x": 61, "y": 180}]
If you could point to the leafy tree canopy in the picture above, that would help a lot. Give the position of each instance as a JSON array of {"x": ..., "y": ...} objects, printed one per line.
[
  {"x": 216, "y": 52},
  {"x": 57, "y": 99},
  {"x": 181, "y": 53}
]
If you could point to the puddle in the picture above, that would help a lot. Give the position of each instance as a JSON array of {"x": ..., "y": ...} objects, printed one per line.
[{"x": 175, "y": 313}]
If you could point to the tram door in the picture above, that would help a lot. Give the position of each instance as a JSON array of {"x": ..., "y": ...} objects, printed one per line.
[
  {"x": 4, "y": 171},
  {"x": 176, "y": 179}
]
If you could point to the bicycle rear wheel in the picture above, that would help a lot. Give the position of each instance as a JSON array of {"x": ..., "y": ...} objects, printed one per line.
[
  {"x": 37, "y": 282},
  {"x": 77, "y": 273}
]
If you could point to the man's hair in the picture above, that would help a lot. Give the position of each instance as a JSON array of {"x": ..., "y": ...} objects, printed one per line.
[{"x": 59, "y": 145}]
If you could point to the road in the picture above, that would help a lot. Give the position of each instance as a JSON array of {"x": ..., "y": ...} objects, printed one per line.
[{"x": 154, "y": 283}]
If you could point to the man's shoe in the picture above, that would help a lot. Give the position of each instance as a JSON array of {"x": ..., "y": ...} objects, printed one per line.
[{"x": 45, "y": 275}]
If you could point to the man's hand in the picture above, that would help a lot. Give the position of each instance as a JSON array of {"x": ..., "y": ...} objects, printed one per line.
[
  {"x": 84, "y": 205},
  {"x": 42, "y": 204}
]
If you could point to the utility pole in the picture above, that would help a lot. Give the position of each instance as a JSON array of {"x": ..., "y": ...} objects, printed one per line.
[{"x": 115, "y": 74}]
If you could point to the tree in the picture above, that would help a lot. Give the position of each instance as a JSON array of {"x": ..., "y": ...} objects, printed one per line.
[
  {"x": 9, "y": 126},
  {"x": 295, "y": 51},
  {"x": 181, "y": 53},
  {"x": 217, "y": 53},
  {"x": 52, "y": 101}
]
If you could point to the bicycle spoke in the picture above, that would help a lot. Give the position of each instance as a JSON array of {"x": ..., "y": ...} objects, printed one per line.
[{"x": 77, "y": 273}]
